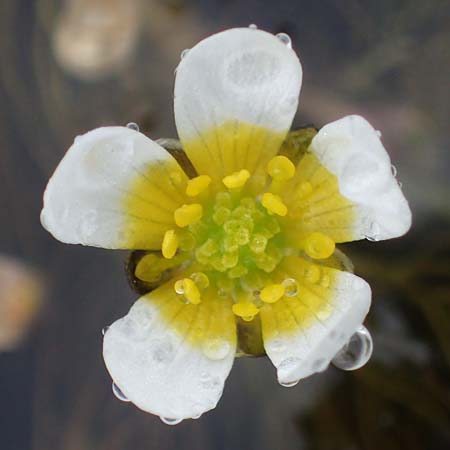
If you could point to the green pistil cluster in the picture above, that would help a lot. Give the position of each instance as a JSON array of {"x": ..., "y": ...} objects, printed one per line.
[{"x": 237, "y": 238}]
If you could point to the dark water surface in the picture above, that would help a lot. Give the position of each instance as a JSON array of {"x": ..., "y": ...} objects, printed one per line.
[{"x": 388, "y": 61}]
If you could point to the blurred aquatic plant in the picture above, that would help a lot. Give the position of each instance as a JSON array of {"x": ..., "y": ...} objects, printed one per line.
[
  {"x": 21, "y": 296},
  {"x": 94, "y": 39}
]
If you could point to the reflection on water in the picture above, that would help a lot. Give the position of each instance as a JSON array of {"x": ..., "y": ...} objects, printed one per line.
[{"x": 386, "y": 59}]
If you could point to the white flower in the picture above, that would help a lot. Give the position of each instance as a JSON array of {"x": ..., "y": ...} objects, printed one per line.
[{"x": 250, "y": 240}]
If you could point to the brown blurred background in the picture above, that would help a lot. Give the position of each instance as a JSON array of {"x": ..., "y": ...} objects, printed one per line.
[{"x": 69, "y": 66}]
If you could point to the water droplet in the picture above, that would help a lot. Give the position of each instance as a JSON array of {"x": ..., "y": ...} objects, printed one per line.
[
  {"x": 216, "y": 348},
  {"x": 277, "y": 345},
  {"x": 88, "y": 224},
  {"x": 210, "y": 383},
  {"x": 285, "y": 39},
  {"x": 288, "y": 365},
  {"x": 184, "y": 53},
  {"x": 200, "y": 279},
  {"x": 133, "y": 126},
  {"x": 393, "y": 170},
  {"x": 163, "y": 353},
  {"x": 104, "y": 330},
  {"x": 290, "y": 287},
  {"x": 253, "y": 26},
  {"x": 179, "y": 288},
  {"x": 131, "y": 329},
  {"x": 169, "y": 421},
  {"x": 289, "y": 383},
  {"x": 374, "y": 232},
  {"x": 118, "y": 393},
  {"x": 356, "y": 352}
]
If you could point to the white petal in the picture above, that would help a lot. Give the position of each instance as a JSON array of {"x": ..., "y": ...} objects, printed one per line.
[
  {"x": 156, "y": 365},
  {"x": 351, "y": 149},
  {"x": 237, "y": 77},
  {"x": 86, "y": 199},
  {"x": 299, "y": 353}
]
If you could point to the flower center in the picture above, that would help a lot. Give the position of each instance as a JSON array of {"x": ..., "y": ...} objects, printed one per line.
[{"x": 234, "y": 242}]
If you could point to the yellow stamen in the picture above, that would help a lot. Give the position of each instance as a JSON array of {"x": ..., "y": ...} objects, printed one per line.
[
  {"x": 272, "y": 293},
  {"x": 188, "y": 214},
  {"x": 319, "y": 246},
  {"x": 246, "y": 310},
  {"x": 150, "y": 268},
  {"x": 197, "y": 185},
  {"x": 281, "y": 168},
  {"x": 274, "y": 204},
  {"x": 237, "y": 179},
  {"x": 189, "y": 289},
  {"x": 170, "y": 244}
]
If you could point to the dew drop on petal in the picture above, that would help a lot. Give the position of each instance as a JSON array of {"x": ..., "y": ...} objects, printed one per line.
[
  {"x": 88, "y": 224},
  {"x": 374, "y": 232},
  {"x": 216, "y": 348},
  {"x": 169, "y": 421},
  {"x": 357, "y": 352},
  {"x": 285, "y": 368},
  {"x": 104, "y": 330},
  {"x": 133, "y": 126},
  {"x": 118, "y": 393},
  {"x": 253, "y": 26},
  {"x": 285, "y": 39},
  {"x": 184, "y": 53},
  {"x": 393, "y": 170},
  {"x": 290, "y": 287},
  {"x": 179, "y": 288},
  {"x": 289, "y": 383},
  {"x": 277, "y": 345},
  {"x": 209, "y": 382}
]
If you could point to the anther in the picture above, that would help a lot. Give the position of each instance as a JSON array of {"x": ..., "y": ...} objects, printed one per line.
[
  {"x": 246, "y": 310},
  {"x": 281, "y": 168},
  {"x": 237, "y": 179},
  {"x": 319, "y": 246},
  {"x": 197, "y": 185},
  {"x": 274, "y": 204},
  {"x": 272, "y": 293},
  {"x": 189, "y": 290},
  {"x": 150, "y": 267},
  {"x": 170, "y": 244},
  {"x": 188, "y": 214}
]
